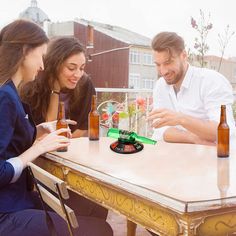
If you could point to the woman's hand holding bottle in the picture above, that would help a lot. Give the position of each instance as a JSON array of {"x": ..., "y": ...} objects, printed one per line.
[
  {"x": 52, "y": 141},
  {"x": 47, "y": 143},
  {"x": 50, "y": 126}
]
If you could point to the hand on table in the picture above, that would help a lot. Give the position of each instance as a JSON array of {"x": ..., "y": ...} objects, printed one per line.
[{"x": 164, "y": 117}]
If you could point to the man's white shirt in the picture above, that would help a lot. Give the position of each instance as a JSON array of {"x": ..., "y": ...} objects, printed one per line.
[{"x": 201, "y": 94}]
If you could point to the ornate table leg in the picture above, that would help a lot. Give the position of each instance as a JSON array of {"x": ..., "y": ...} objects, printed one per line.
[{"x": 131, "y": 228}]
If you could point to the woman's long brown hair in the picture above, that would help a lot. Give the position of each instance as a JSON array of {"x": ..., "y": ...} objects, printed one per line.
[
  {"x": 15, "y": 39},
  {"x": 37, "y": 93}
]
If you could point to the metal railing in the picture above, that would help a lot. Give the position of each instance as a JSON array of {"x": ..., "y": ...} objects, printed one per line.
[{"x": 131, "y": 105}]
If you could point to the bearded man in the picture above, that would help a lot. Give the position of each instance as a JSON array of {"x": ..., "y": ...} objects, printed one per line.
[{"x": 186, "y": 99}]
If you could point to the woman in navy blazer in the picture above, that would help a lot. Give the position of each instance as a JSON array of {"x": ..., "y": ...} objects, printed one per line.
[{"x": 22, "y": 47}]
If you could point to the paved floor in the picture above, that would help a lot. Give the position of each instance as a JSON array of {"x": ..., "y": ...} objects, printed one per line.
[{"x": 118, "y": 224}]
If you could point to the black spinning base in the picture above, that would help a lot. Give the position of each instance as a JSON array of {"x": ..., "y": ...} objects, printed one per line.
[{"x": 126, "y": 147}]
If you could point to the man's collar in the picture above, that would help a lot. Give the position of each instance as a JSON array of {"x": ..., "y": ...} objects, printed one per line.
[{"x": 188, "y": 77}]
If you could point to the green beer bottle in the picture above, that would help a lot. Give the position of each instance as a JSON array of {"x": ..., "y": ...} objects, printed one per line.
[{"x": 124, "y": 134}]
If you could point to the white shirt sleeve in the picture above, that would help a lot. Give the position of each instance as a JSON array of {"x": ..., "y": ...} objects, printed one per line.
[
  {"x": 158, "y": 133},
  {"x": 217, "y": 94},
  {"x": 18, "y": 168}
]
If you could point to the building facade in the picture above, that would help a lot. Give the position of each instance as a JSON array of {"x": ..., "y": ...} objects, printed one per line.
[
  {"x": 118, "y": 59},
  {"x": 227, "y": 67}
]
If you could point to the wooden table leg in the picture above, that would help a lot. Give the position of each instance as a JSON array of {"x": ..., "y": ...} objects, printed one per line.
[{"x": 131, "y": 228}]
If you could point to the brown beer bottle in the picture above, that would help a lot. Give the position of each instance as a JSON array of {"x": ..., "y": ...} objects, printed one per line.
[
  {"x": 61, "y": 123},
  {"x": 93, "y": 120},
  {"x": 223, "y": 135}
]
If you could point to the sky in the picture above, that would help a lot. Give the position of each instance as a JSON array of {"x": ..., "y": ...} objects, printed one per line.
[{"x": 146, "y": 17}]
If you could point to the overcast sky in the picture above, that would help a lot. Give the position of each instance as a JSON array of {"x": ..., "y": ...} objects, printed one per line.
[{"x": 146, "y": 17}]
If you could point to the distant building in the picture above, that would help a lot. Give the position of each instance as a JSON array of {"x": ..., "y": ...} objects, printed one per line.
[
  {"x": 227, "y": 68},
  {"x": 34, "y": 13},
  {"x": 123, "y": 59}
]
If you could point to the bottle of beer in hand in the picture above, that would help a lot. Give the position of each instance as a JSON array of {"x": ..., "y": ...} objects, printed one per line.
[
  {"x": 223, "y": 135},
  {"x": 61, "y": 123},
  {"x": 93, "y": 120}
]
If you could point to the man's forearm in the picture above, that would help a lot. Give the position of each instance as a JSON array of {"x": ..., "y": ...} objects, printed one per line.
[
  {"x": 206, "y": 130},
  {"x": 175, "y": 135}
]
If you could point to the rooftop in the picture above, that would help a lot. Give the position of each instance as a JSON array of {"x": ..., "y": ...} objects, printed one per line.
[{"x": 118, "y": 33}]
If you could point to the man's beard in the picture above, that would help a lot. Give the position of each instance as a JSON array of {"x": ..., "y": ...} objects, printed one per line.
[{"x": 178, "y": 76}]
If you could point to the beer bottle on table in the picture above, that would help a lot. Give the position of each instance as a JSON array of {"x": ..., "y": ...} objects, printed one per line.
[
  {"x": 61, "y": 123},
  {"x": 223, "y": 135},
  {"x": 93, "y": 120},
  {"x": 124, "y": 134}
]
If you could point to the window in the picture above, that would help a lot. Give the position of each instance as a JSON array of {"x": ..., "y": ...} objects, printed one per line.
[
  {"x": 147, "y": 59},
  {"x": 134, "y": 57},
  {"x": 134, "y": 81},
  {"x": 147, "y": 83}
]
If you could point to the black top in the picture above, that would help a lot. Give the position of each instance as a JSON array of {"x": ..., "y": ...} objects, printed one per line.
[
  {"x": 80, "y": 110},
  {"x": 77, "y": 104}
]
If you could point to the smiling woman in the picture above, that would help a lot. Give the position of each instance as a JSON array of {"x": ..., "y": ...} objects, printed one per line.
[{"x": 64, "y": 75}]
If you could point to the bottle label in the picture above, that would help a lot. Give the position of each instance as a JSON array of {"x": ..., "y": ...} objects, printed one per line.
[{"x": 124, "y": 134}]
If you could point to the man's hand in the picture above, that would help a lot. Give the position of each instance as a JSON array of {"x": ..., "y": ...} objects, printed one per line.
[
  {"x": 204, "y": 129},
  {"x": 164, "y": 117}
]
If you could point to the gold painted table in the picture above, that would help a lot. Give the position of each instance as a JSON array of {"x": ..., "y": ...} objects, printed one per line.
[{"x": 171, "y": 189}]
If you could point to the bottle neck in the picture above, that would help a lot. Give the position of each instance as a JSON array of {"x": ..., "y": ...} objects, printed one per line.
[
  {"x": 94, "y": 103},
  {"x": 61, "y": 111},
  {"x": 223, "y": 114}
]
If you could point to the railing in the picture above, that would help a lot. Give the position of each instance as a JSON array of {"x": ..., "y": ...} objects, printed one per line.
[
  {"x": 125, "y": 109},
  {"x": 234, "y": 106}
]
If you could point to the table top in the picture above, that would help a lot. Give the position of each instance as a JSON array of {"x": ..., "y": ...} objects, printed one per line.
[{"x": 183, "y": 177}]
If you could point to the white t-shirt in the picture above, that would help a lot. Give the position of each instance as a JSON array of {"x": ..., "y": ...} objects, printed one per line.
[{"x": 201, "y": 94}]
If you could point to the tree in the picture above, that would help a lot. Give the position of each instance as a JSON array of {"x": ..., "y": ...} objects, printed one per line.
[
  {"x": 202, "y": 27},
  {"x": 223, "y": 40}
]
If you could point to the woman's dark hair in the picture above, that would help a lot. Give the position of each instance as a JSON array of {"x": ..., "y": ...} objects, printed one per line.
[
  {"x": 168, "y": 41},
  {"x": 15, "y": 39},
  {"x": 37, "y": 93}
]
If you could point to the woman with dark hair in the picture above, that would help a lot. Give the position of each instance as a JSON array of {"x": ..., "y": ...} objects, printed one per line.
[
  {"x": 23, "y": 45},
  {"x": 63, "y": 79}
]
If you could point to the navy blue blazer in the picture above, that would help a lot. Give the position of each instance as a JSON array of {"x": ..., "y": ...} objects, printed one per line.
[{"x": 17, "y": 134}]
